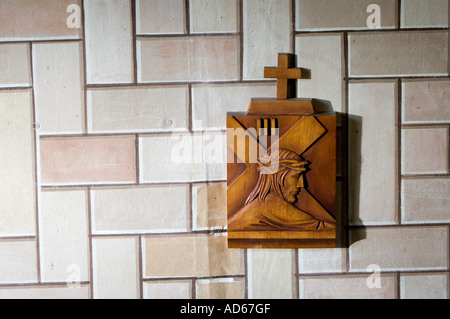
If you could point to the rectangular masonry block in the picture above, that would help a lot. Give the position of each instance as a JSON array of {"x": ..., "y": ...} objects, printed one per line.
[
  {"x": 324, "y": 56},
  {"x": 160, "y": 17},
  {"x": 315, "y": 15},
  {"x": 45, "y": 292},
  {"x": 15, "y": 65},
  {"x": 152, "y": 109},
  {"x": 17, "y": 168},
  {"x": 424, "y": 286},
  {"x": 182, "y": 158},
  {"x": 64, "y": 235},
  {"x": 59, "y": 87},
  {"x": 426, "y": 101},
  {"x": 271, "y": 274},
  {"x": 79, "y": 161},
  {"x": 322, "y": 260},
  {"x": 425, "y": 150},
  {"x": 191, "y": 256},
  {"x": 109, "y": 41},
  {"x": 18, "y": 261},
  {"x": 211, "y": 102},
  {"x": 373, "y": 153},
  {"x": 221, "y": 289},
  {"x": 347, "y": 287},
  {"x": 140, "y": 209},
  {"x": 116, "y": 268},
  {"x": 208, "y": 58},
  {"x": 209, "y": 206},
  {"x": 421, "y": 14},
  {"x": 426, "y": 200},
  {"x": 267, "y": 27},
  {"x": 39, "y": 20},
  {"x": 168, "y": 289},
  {"x": 403, "y": 53},
  {"x": 397, "y": 249},
  {"x": 214, "y": 16}
]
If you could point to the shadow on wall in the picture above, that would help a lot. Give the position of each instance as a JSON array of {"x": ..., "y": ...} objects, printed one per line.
[
  {"x": 354, "y": 131},
  {"x": 348, "y": 173}
]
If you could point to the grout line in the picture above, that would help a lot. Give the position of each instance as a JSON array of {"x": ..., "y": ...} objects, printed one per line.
[
  {"x": 85, "y": 110},
  {"x": 91, "y": 251},
  {"x": 174, "y": 83},
  {"x": 36, "y": 167},
  {"x": 399, "y": 15},
  {"x": 140, "y": 269},
  {"x": 134, "y": 39},
  {"x": 246, "y": 273},
  {"x": 296, "y": 294},
  {"x": 241, "y": 40},
  {"x": 399, "y": 150},
  {"x": 190, "y": 226},
  {"x": 194, "y": 289},
  {"x": 137, "y": 159},
  {"x": 187, "y": 13},
  {"x": 368, "y": 31},
  {"x": 293, "y": 24},
  {"x": 398, "y": 275}
]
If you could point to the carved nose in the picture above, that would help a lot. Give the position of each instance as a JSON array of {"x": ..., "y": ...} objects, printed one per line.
[{"x": 301, "y": 182}]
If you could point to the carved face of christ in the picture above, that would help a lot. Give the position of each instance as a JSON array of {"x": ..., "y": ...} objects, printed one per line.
[{"x": 291, "y": 186}]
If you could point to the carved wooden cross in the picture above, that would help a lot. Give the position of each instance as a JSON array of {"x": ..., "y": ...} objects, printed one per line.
[{"x": 286, "y": 73}]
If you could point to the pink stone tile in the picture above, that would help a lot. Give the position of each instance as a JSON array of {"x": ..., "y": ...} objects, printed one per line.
[
  {"x": 425, "y": 150},
  {"x": 88, "y": 160},
  {"x": 209, "y": 58},
  {"x": 426, "y": 101},
  {"x": 36, "y": 19}
]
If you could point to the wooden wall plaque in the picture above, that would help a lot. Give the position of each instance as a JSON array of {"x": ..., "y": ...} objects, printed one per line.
[{"x": 281, "y": 170}]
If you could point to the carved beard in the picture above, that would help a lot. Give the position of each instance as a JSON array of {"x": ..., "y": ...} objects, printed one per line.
[{"x": 290, "y": 198}]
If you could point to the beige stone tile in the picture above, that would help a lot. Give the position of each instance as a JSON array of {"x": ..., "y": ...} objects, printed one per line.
[
  {"x": 324, "y": 56},
  {"x": 140, "y": 209},
  {"x": 168, "y": 290},
  {"x": 191, "y": 256},
  {"x": 151, "y": 109},
  {"x": 15, "y": 65},
  {"x": 221, "y": 289},
  {"x": 426, "y": 101},
  {"x": 58, "y": 87},
  {"x": 267, "y": 28},
  {"x": 313, "y": 15},
  {"x": 271, "y": 274},
  {"x": 78, "y": 161},
  {"x": 17, "y": 169},
  {"x": 160, "y": 17},
  {"x": 403, "y": 53},
  {"x": 18, "y": 261},
  {"x": 373, "y": 153},
  {"x": 182, "y": 158},
  {"x": 211, "y": 102},
  {"x": 406, "y": 248},
  {"x": 63, "y": 236},
  {"x": 209, "y": 206},
  {"x": 109, "y": 48},
  {"x": 45, "y": 292},
  {"x": 425, "y": 150},
  {"x": 424, "y": 286},
  {"x": 36, "y": 20},
  {"x": 116, "y": 268},
  {"x": 426, "y": 200},
  {"x": 322, "y": 260},
  {"x": 214, "y": 16},
  {"x": 208, "y": 58},
  {"x": 418, "y": 14},
  {"x": 347, "y": 287}
]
